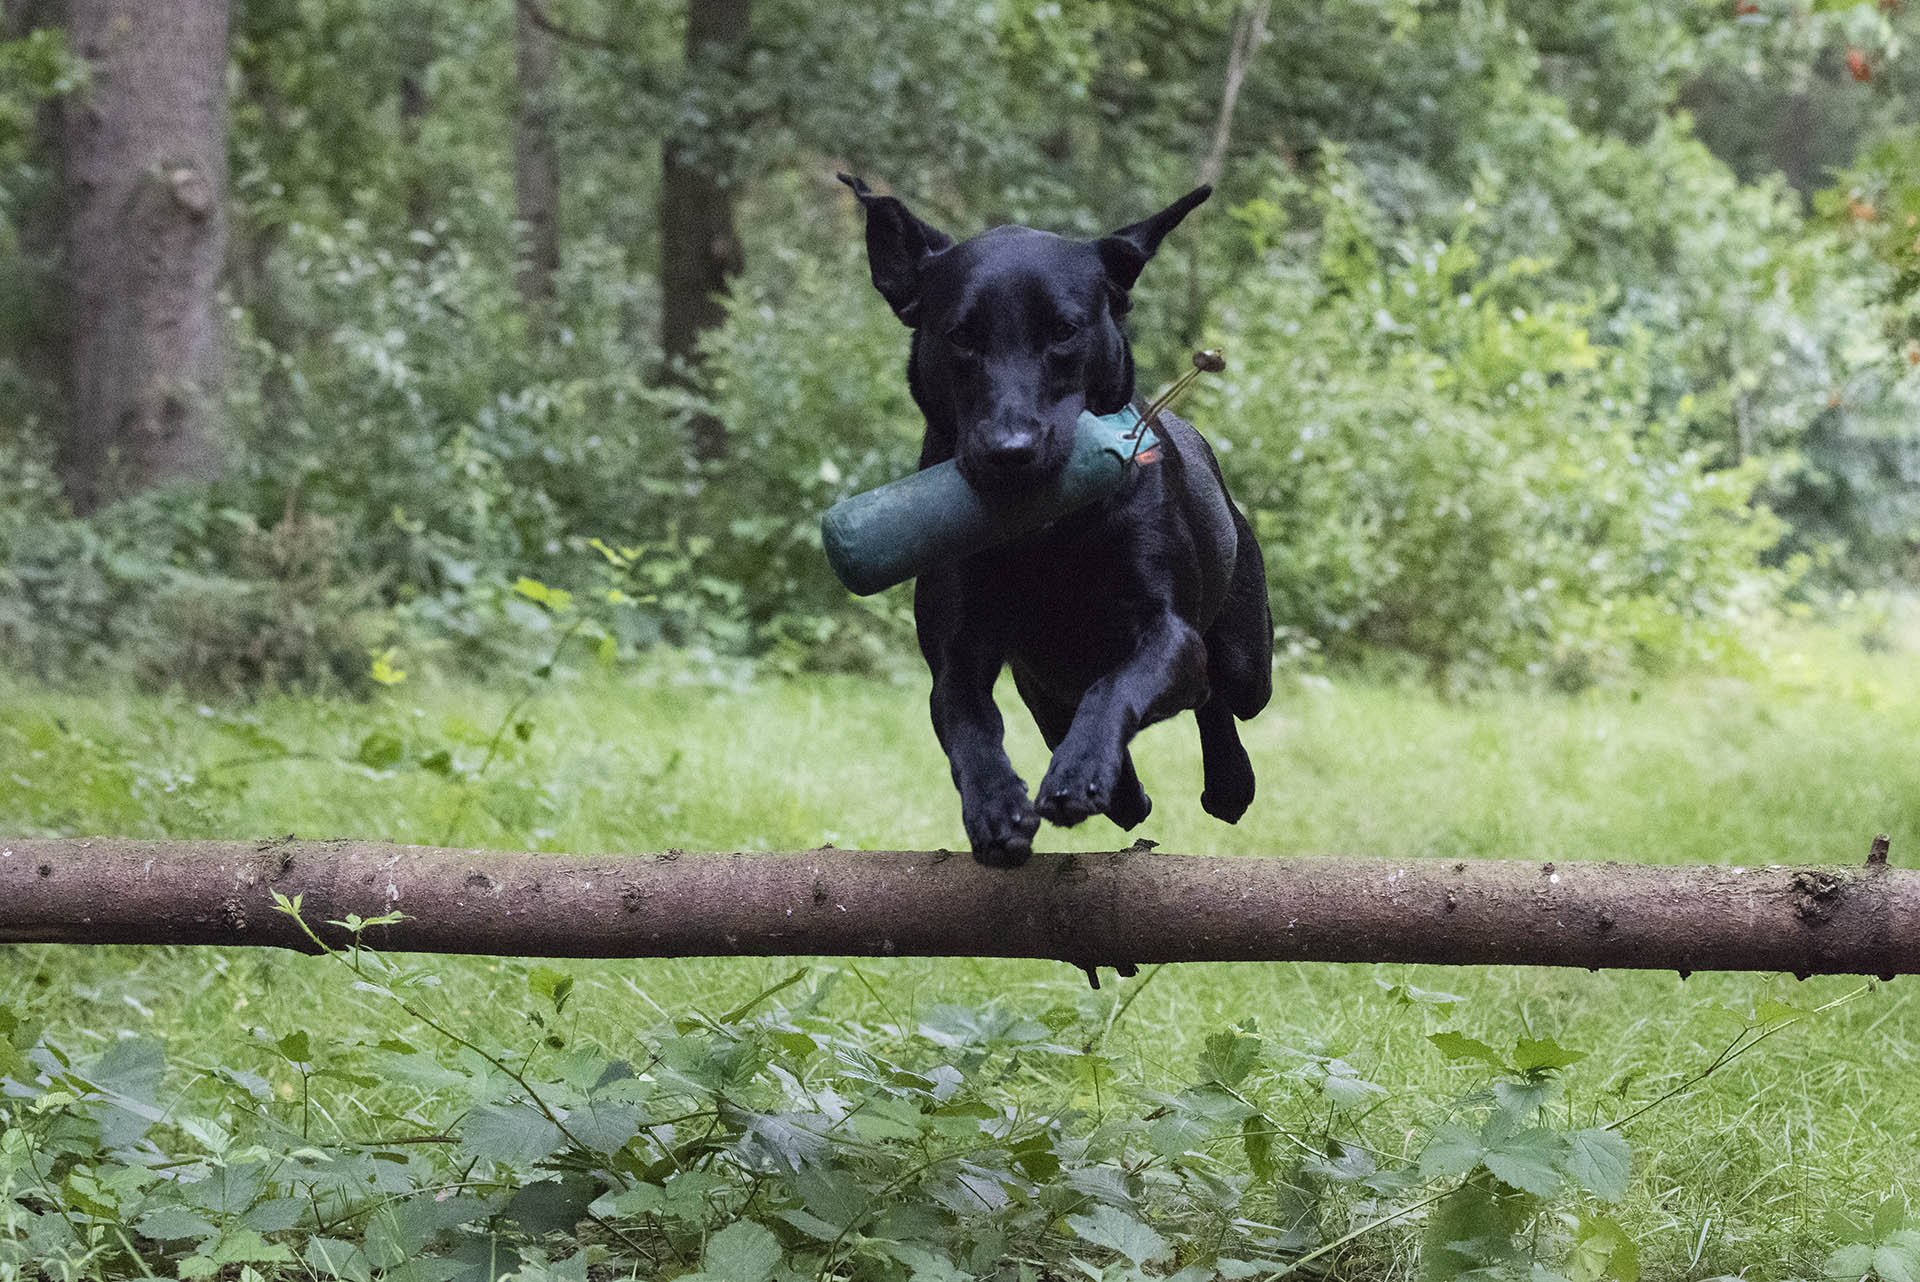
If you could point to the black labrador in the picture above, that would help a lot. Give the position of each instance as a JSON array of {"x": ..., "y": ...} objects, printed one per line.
[{"x": 1122, "y": 614}]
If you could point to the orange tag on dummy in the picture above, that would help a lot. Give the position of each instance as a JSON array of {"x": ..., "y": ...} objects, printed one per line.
[{"x": 1149, "y": 455}]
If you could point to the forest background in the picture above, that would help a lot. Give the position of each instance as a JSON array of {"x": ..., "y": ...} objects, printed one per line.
[{"x": 1565, "y": 340}]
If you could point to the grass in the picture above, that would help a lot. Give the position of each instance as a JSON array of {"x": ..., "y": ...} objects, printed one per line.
[{"x": 1802, "y": 763}]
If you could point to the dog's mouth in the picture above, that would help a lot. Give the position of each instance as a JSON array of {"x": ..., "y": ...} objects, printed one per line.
[
  {"x": 1014, "y": 464},
  {"x": 997, "y": 479}
]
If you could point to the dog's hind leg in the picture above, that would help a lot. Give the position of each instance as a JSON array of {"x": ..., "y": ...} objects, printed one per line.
[
  {"x": 1227, "y": 790},
  {"x": 1239, "y": 679},
  {"x": 1240, "y": 642}
]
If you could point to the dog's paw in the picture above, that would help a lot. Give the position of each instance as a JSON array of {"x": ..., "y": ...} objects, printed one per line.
[
  {"x": 1001, "y": 828},
  {"x": 1130, "y": 806},
  {"x": 1077, "y": 786},
  {"x": 1229, "y": 802}
]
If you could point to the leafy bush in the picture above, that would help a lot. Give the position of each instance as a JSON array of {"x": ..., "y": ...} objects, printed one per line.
[
  {"x": 66, "y": 594},
  {"x": 437, "y": 423},
  {"x": 809, "y": 372},
  {"x": 281, "y": 615},
  {"x": 772, "y": 1141},
  {"x": 1562, "y": 477},
  {"x": 1856, "y": 501},
  {"x": 1442, "y": 461},
  {"x": 177, "y": 591},
  {"x": 468, "y": 446}
]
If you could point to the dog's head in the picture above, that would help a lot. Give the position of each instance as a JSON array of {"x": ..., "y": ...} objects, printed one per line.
[{"x": 1015, "y": 332}]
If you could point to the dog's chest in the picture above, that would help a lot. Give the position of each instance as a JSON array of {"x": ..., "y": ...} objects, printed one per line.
[{"x": 1066, "y": 605}]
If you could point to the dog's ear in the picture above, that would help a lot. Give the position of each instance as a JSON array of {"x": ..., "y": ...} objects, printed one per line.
[
  {"x": 898, "y": 247},
  {"x": 1127, "y": 250}
]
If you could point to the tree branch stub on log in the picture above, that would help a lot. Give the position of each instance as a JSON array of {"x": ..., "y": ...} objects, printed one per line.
[{"x": 1085, "y": 909}]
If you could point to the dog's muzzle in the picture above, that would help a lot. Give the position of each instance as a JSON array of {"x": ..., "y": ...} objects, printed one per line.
[{"x": 1012, "y": 462}]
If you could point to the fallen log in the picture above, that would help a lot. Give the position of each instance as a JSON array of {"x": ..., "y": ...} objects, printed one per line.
[{"x": 1134, "y": 906}]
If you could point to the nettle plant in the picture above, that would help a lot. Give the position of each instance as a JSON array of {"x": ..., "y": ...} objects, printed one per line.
[
  {"x": 1513, "y": 1161},
  {"x": 773, "y": 1142}
]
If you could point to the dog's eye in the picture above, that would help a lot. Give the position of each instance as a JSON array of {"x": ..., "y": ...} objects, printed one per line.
[
  {"x": 1062, "y": 332},
  {"x": 962, "y": 343}
]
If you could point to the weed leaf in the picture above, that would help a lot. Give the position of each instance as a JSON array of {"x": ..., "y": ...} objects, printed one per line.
[
  {"x": 550, "y": 1206},
  {"x": 741, "y": 1252},
  {"x": 1854, "y": 1260},
  {"x": 380, "y": 750},
  {"x": 1540, "y": 1054},
  {"x": 1228, "y": 1058},
  {"x": 1598, "y": 1160},
  {"x": 1457, "y": 1046},
  {"x": 1113, "y": 1228},
  {"x": 1453, "y": 1150},
  {"x": 511, "y": 1134},
  {"x": 1603, "y": 1251},
  {"x": 1896, "y": 1263},
  {"x": 1529, "y": 1160},
  {"x": 1256, "y": 1136}
]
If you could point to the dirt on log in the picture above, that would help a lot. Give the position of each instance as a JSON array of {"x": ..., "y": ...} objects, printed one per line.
[{"x": 1133, "y": 906}]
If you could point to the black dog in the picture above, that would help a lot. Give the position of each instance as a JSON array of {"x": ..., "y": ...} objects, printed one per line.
[{"x": 1114, "y": 617}]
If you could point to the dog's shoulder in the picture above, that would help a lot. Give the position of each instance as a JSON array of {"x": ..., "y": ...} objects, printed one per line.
[
  {"x": 1199, "y": 493},
  {"x": 1196, "y": 470}
]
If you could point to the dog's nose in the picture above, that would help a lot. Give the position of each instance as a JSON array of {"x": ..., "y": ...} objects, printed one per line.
[{"x": 1011, "y": 451}]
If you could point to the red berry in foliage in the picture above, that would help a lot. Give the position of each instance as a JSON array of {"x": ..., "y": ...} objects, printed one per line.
[
  {"x": 1858, "y": 65},
  {"x": 1745, "y": 7}
]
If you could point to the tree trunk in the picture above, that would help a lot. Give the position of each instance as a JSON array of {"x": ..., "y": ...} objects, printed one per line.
[
  {"x": 1087, "y": 909},
  {"x": 536, "y": 160},
  {"x": 1249, "y": 33},
  {"x": 40, "y": 222},
  {"x": 699, "y": 250},
  {"x": 1795, "y": 148},
  {"x": 413, "y": 29},
  {"x": 146, "y": 166}
]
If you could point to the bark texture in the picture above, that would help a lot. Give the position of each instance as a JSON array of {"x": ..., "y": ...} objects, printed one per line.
[
  {"x": 40, "y": 222},
  {"x": 414, "y": 34},
  {"x": 700, "y": 251},
  {"x": 145, "y": 177},
  {"x": 1098, "y": 909},
  {"x": 1249, "y": 33},
  {"x": 536, "y": 160}
]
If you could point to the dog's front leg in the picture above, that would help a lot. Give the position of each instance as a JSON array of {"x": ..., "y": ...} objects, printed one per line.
[
  {"x": 993, "y": 799},
  {"x": 1167, "y": 673}
]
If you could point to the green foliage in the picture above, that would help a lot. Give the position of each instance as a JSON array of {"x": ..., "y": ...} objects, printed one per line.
[
  {"x": 1667, "y": 396},
  {"x": 435, "y": 425},
  {"x": 811, "y": 373},
  {"x": 1344, "y": 1087},
  {"x": 760, "y": 1143},
  {"x": 1882, "y": 1248},
  {"x": 175, "y": 590},
  {"x": 1513, "y": 1163},
  {"x": 1441, "y": 460},
  {"x": 766, "y": 1142},
  {"x": 777, "y": 1141},
  {"x": 1878, "y": 207}
]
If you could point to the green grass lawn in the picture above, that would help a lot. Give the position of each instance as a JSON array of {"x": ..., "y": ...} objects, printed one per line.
[{"x": 1803, "y": 761}]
